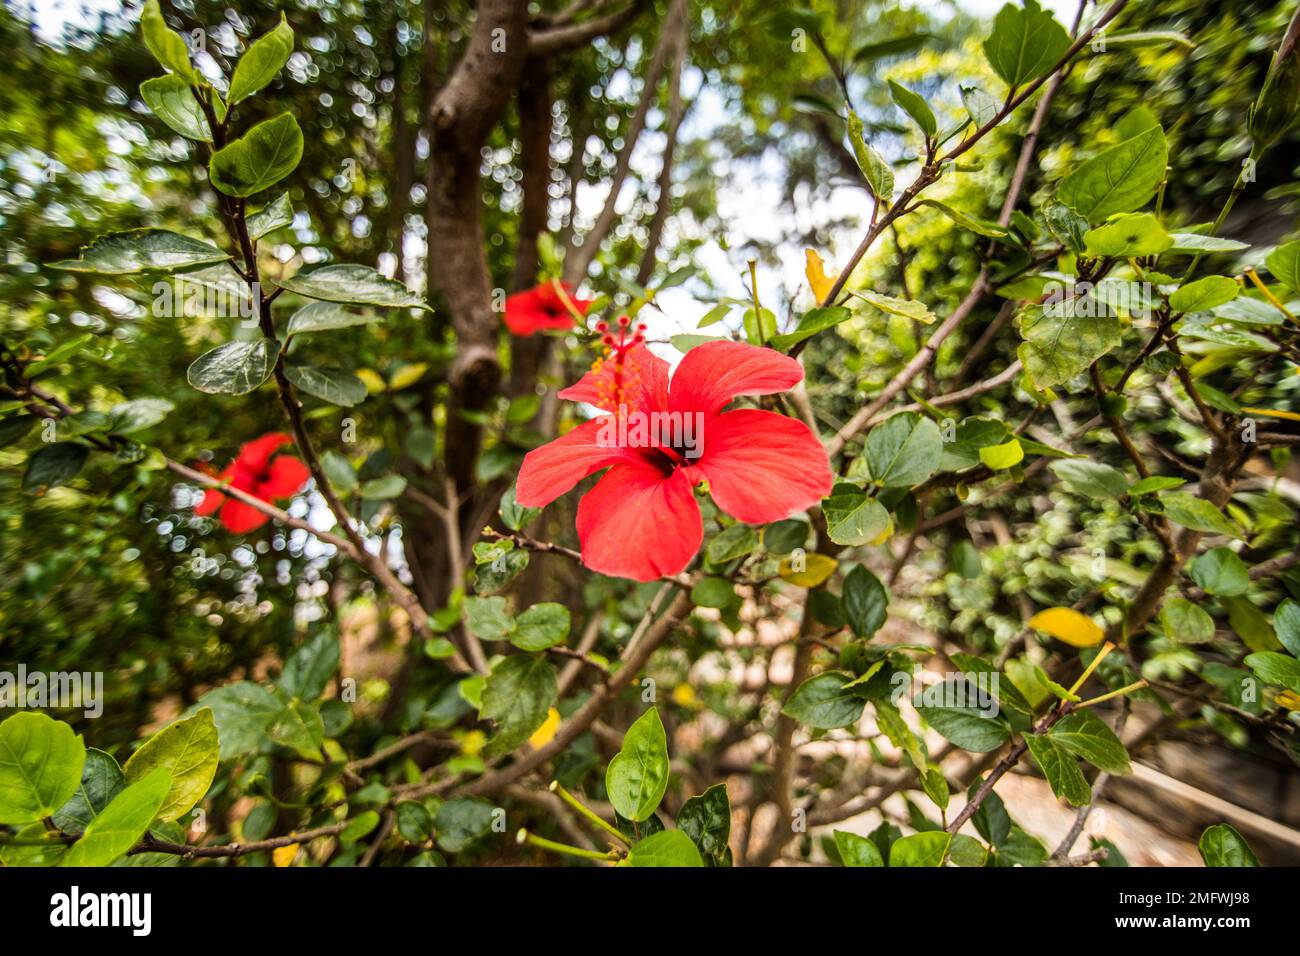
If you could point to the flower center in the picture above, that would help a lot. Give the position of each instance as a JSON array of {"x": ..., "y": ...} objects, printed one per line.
[{"x": 616, "y": 377}]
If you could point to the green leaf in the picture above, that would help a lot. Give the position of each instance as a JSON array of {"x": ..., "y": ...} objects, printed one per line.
[
  {"x": 1146, "y": 486},
  {"x": 1286, "y": 621},
  {"x": 299, "y": 726},
  {"x": 1120, "y": 179},
  {"x": 1274, "y": 668},
  {"x": 1060, "y": 769},
  {"x": 914, "y": 106},
  {"x": 878, "y": 173},
  {"x": 706, "y": 819},
  {"x": 783, "y": 537},
  {"x": 825, "y": 702},
  {"x": 334, "y": 385},
  {"x": 1128, "y": 236},
  {"x": 276, "y": 214},
  {"x": 894, "y": 46},
  {"x": 518, "y": 694},
  {"x": 1092, "y": 479},
  {"x": 188, "y": 751},
  {"x": 981, "y": 107},
  {"x": 172, "y": 100},
  {"x": 903, "y": 450},
  {"x": 260, "y": 62},
  {"x": 907, "y": 308},
  {"x": 1219, "y": 571},
  {"x": 865, "y": 602},
  {"x": 339, "y": 471},
  {"x": 122, "y": 823},
  {"x": 352, "y": 285},
  {"x": 310, "y": 667},
  {"x": 1086, "y": 735},
  {"x": 143, "y": 250},
  {"x": 1284, "y": 263},
  {"x": 383, "y": 488},
  {"x": 1186, "y": 509},
  {"x": 15, "y": 428},
  {"x": 952, "y": 707},
  {"x": 1185, "y": 622},
  {"x": 414, "y": 821},
  {"x": 731, "y": 543},
  {"x": 358, "y": 827},
  {"x": 40, "y": 766},
  {"x": 970, "y": 435},
  {"x": 857, "y": 850},
  {"x": 1204, "y": 294},
  {"x": 134, "y": 416},
  {"x": 166, "y": 45},
  {"x": 638, "y": 775},
  {"x": 1221, "y": 845},
  {"x": 713, "y": 592},
  {"x": 1194, "y": 244},
  {"x": 978, "y": 226},
  {"x": 665, "y": 848},
  {"x": 813, "y": 321},
  {"x": 514, "y": 515},
  {"x": 101, "y": 779},
  {"x": 235, "y": 368},
  {"x": 541, "y": 626},
  {"x": 1004, "y": 456},
  {"x": 54, "y": 464},
  {"x": 920, "y": 849},
  {"x": 243, "y": 712},
  {"x": 461, "y": 821},
  {"x": 488, "y": 619},
  {"x": 854, "y": 519},
  {"x": 259, "y": 159},
  {"x": 991, "y": 820},
  {"x": 1063, "y": 338},
  {"x": 1025, "y": 43}
]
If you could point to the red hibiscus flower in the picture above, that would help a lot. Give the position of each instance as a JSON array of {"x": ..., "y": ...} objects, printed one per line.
[
  {"x": 254, "y": 471},
  {"x": 544, "y": 307},
  {"x": 641, "y": 521}
]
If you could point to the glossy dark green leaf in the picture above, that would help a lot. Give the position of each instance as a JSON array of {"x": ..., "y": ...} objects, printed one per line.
[
  {"x": 825, "y": 702},
  {"x": 352, "y": 285},
  {"x": 1059, "y": 767},
  {"x": 54, "y": 464},
  {"x": 326, "y": 317},
  {"x": 1222, "y": 846},
  {"x": 235, "y": 368},
  {"x": 541, "y": 626},
  {"x": 461, "y": 821},
  {"x": 143, "y": 251},
  {"x": 963, "y": 712},
  {"x": 1025, "y": 43},
  {"x": 866, "y": 602},
  {"x": 1086, "y": 735},
  {"x": 101, "y": 779},
  {"x": 311, "y": 666},
  {"x": 274, "y": 215},
  {"x": 706, "y": 819},
  {"x": 334, "y": 385}
]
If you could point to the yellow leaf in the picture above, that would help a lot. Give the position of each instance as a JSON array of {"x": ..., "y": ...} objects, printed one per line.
[
  {"x": 374, "y": 382},
  {"x": 818, "y": 280},
  {"x": 472, "y": 742},
  {"x": 283, "y": 855},
  {"x": 815, "y": 569},
  {"x": 543, "y": 734},
  {"x": 407, "y": 375},
  {"x": 1288, "y": 700},
  {"x": 1274, "y": 412},
  {"x": 1066, "y": 624}
]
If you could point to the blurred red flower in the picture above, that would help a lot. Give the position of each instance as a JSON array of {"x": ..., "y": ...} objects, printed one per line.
[
  {"x": 257, "y": 473},
  {"x": 543, "y": 307},
  {"x": 641, "y": 521}
]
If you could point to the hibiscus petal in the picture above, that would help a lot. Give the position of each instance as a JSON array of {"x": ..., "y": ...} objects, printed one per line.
[
  {"x": 639, "y": 522},
  {"x": 254, "y": 455},
  {"x": 241, "y": 518},
  {"x": 554, "y": 468},
  {"x": 714, "y": 373},
  {"x": 212, "y": 500},
  {"x": 284, "y": 478},
  {"x": 643, "y": 384},
  {"x": 762, "y": 466}
]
